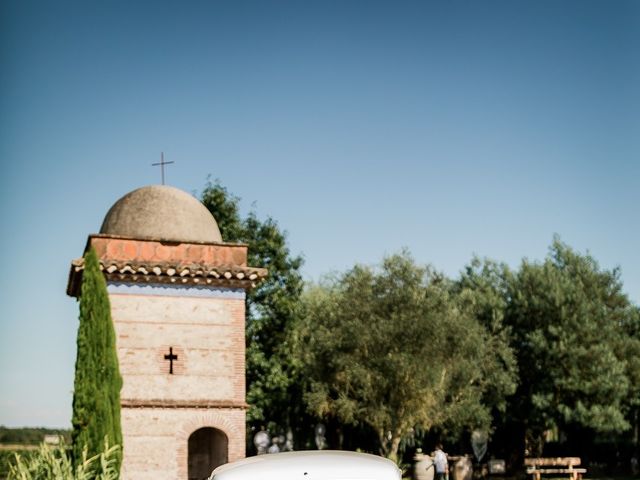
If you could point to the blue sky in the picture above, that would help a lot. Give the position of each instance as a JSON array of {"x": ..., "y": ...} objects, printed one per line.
[{"x": 362, "y": 127}]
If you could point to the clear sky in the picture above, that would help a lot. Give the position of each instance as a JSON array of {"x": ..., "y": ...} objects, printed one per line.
[{"x": 449, "y": 127}]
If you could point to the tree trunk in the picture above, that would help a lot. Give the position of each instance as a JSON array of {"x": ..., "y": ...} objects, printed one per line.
[
  {"x": 534, "y": 442},
  {"x": 514, "y": 445},
  {"x": 393, "y": 449},
  {"x": 384, "y": 450}
]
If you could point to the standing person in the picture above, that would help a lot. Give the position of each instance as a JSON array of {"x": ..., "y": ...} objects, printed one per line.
[{"x": 441, "y": 463}]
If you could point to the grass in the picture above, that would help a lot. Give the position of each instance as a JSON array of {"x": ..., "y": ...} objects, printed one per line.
[{"x": 7, "y": 455}]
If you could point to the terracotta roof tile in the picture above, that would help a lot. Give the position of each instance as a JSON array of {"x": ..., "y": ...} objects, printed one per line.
[{"x": 185, "y": 273}]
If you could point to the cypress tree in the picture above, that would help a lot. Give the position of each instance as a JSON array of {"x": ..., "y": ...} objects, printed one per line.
[{"x": 96, "y": 396}]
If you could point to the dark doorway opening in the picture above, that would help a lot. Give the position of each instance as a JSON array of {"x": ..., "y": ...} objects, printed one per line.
[{"x": 208, "y": 449}]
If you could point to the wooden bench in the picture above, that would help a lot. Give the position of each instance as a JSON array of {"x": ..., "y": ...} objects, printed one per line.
[{"x": 558, "y": 466}]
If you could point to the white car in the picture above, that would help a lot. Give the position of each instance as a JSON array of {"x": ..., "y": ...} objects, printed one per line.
[{"x": 310, "y": 465}]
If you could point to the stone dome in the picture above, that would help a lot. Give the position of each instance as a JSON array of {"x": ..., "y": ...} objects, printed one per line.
[{"x": 160, "y": 212}]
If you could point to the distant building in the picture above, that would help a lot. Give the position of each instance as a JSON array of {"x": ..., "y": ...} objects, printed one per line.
[
  {"x": 177, "y": 294},
  {"x": 52, "y": 439}
]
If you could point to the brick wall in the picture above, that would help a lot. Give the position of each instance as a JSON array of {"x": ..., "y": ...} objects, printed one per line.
[
  {"x": 127, "y": 249},
  {"x": 156, "y": 439},
  {"x": 207, "y": 387},
  {"x": 207, "y": 335}
]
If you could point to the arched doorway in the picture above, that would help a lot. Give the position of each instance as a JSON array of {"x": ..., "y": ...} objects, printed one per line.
[{"x": 208, "y": 448}]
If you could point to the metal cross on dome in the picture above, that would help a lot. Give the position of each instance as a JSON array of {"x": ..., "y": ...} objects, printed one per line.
[{"x": 161, "y": 163}]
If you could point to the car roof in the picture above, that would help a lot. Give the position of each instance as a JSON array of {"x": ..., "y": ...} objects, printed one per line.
[{"x": 310, "y": 465}]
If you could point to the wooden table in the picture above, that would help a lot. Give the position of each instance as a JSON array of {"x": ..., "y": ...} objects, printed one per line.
[{"x": 536, "y": 467}]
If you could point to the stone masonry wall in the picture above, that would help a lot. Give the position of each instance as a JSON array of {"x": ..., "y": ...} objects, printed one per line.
[
  {"x": 207, "y": 335},
  {"x": 156, "y": 439},
  {"x": 207, "y": 387}
]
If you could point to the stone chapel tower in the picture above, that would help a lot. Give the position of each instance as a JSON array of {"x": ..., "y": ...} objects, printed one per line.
[{"x": 177, "y": 302}]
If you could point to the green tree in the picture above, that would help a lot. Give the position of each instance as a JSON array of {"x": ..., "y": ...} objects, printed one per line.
[
  {"x": 272, "y": 308},
  {"x": 483, "y": 289},
  {"x": 628, "y": 348},
  {"x": 96, "y": 395},
  {"x": 568, "y": 318},
  {"x": 398, "y": 349}
]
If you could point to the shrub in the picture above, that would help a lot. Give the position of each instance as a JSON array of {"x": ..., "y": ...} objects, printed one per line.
[{"x": 53, "y": 462}]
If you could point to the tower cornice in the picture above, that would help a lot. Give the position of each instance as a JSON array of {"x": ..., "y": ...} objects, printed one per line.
[{"x": 124, "y": 259}]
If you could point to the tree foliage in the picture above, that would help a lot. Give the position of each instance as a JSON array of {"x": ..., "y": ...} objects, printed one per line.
[
  {"x": 96, "y": 395},
  {"x": 566, "y": 315},
  {"x": 575, "y": 334},
  {"x": 482, "y": 289},
  {"x": 271, "y": 308},
  {"x": 402, "y": 349},
  {"x": 398, "y": 349}
]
